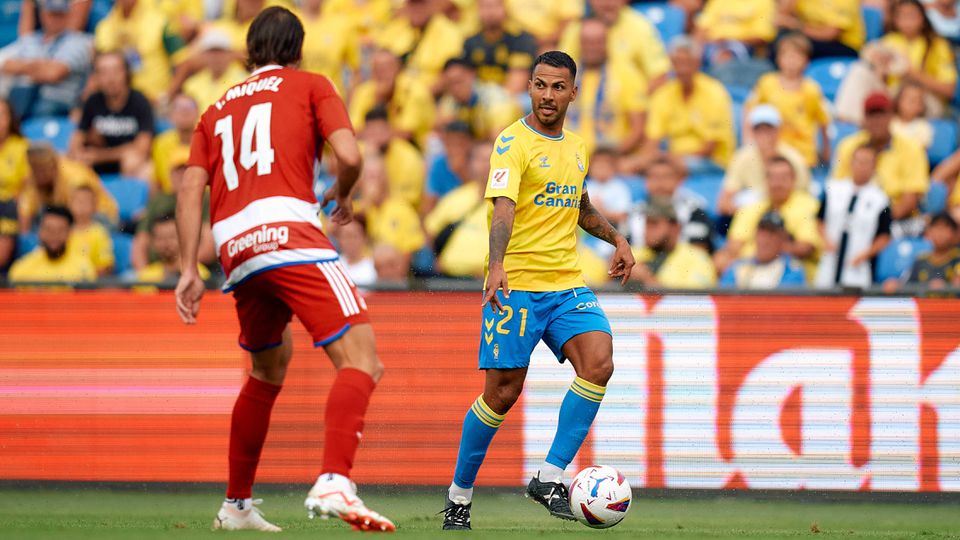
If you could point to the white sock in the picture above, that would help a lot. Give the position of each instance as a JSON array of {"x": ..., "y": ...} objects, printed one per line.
[
  {"x": 338, "y": 480},
  {"x": 465, "y": 494},
  {"x": 240, "y": 504},
  {"x": 550, "y": 473}
]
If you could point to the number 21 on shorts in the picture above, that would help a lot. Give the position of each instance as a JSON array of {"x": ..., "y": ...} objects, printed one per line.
[
  {"x": 507, "y": 316},
  {"x": 257, "y": 123}
]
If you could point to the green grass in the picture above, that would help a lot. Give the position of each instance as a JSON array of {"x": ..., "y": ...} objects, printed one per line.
[{"x": 103, "y": 514}]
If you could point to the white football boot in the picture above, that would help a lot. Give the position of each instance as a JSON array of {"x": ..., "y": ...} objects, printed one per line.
[
  {"x": 233, "y": 517},
  {"x": 336, "y": 496}
]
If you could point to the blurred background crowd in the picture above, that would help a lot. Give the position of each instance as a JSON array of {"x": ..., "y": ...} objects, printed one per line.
[{"x": 749, "y": 144}]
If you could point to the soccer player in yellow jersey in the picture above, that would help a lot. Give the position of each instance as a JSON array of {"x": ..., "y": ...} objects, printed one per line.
[{"x": 535, "y": 290}]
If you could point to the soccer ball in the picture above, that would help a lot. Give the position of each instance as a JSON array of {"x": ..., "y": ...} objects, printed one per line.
[{"x": 600, "y": 496}]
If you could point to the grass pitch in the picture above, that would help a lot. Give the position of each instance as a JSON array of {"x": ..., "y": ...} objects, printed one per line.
[{"x": 129, "y": 514}]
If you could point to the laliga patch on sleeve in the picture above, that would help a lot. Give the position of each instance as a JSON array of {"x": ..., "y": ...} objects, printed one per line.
[{"x": 499, "y": 178}]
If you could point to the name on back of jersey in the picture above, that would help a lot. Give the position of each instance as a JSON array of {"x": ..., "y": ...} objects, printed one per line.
[{"x": 271, "y": 84}]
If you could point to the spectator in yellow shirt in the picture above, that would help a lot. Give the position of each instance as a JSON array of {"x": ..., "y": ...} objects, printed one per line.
[
  {"x": 544, "y": 19},
  {"x": 631, "y": 38},
  {"x": 750, "y": 22},
  {"x": 406, "y": 171},
  {"x": 13, "y": 153},
  {"x": 51, "y": 261},
  {"x": 164, "y": 242},
  {"x": 799, "y": 212},
  {"x": 364, "y": 17},
  {"x": 834, "y": 27},
  {"x": 51, "y": 181},
  {"x": 499, "y": 55},
  {"x": 174, "y": 143},
  {"x": 424, "y": 37},
  {"x": 902, "y": 168},
  {"x": 798, "y": 99},
  {"x": 664, "y": 262},
  {"x": 9, "y": 229},
  {"x": 486, "y": 108},
  {"x": 390, "y": 219},
  {"x": 140, "y": 31},
  {"x": 692, "y": 114},
  {"x": 88, "y": 237},
  {"x": 408, "y": 102},
  {"x": 745, "y": 181},
  {"x": 611, "y": 96},
  {"x": 220, "y": 72},
  {"x": 457, "y": 225},
  {"x": 331, "y": 46}
]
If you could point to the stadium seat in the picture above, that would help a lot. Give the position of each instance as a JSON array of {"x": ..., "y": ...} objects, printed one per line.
[
  {"x": 944, "y": 141},
  {"x": 161, "y": 125},
  {"x": 739, "y": 94},
  {"x": 936, "y": 199},
  {"x": 122, "y": 244},
  {"x": 25, "y": 244},
  {"x": 708, "y": 187},
  {"x": 670, "y": 20},
  {"x": 873, "y": 22},
  {"x": 839, "y": 131},
  {"x": 638, "y": 188},
  {"x": 54, "y": 129},
  {"x": 829, "y": 73},
  {"x": 898, "y": 258},
  {"x": 131, "y": 194}
]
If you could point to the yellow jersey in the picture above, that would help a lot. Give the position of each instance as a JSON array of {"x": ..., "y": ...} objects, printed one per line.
[
  {"x": 94, "y": 243},
  {"x": 689, "y": 123},
  {"x": 738, "y": 20},
  {"x": 14, "y": 168},
  {"x": 467, "y": 245},
  {"x": 206, "y": 90},
  {"x": 411, "y": 108},
  {"x": 330, "y": 46},
  {"x": 607, "y": 99},
  {"x": 803, "y": 110},
  {"x": 901, "y": 166},
  {"x": 936, "y": 60},
  {"x": 167, "y": 149},
  {"x": 397, "y": 224},
  {"x": 72, "y": 267},
  {"x": 544, "y": 176},
  {"x": 844, "y": 15},
  {"x": 425, "y": 50},
  {"x": 686, "y": 267}
]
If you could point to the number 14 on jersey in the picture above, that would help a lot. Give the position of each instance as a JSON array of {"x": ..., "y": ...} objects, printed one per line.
[{"x": 257, "y": 123}]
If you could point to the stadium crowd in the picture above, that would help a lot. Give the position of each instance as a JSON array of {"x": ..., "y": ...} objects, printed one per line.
[{"x": 750, "y": 144}]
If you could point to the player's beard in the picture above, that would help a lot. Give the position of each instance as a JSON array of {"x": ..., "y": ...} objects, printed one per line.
[
  {"x": 553, "y": 122},
  {"x": 54, "y": 254}
]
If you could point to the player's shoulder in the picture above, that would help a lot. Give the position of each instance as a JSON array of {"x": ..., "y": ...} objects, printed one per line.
[{"x": 513, "y": 135}]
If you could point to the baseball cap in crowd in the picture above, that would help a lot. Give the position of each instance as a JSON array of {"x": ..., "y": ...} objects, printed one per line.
[
  {"x": 877, "y": 102},
  {"x": 772, "y": 220},
  {"x": 765, "y": 115},
  {"x": 55, "y": 6},
  {"x": 214, "y": 40},
  {"x": 661, "y": 208}
]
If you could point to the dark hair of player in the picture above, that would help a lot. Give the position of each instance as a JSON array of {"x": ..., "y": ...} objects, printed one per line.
[
  {"x": 275, "y": 37},
  {"x": 377, "y": 113},
  {"x": 557, "y": 59},
  {"x": 458, "y": 61},
  {"x": 58, "y": 211},
  {"x": 127, "y": 72},
  {"x": 780, "y": 159}
]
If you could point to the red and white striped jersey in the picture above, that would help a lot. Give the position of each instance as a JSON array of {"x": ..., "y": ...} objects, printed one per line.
[{"x": 259, "y": 143}]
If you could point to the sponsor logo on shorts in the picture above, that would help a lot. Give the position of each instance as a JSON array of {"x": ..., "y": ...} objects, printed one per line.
[{"x": 588, "y": 305}]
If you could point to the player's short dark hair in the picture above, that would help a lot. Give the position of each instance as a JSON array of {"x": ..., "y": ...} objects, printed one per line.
[
  {"x": 668, "y": 160},
  {"x": 163, "y": 218},
  {"x": 557, "y": 59},
  {"x": 459, "y": 61},
  {"x": 275, "y": 37},
  {"x": 377, "y": 113},
  {"x": 944, "y": 218},
  {"x": 127, "y": 70},
  {"x": 57, "y": 211},
  {"x": 780, "y": 159}
]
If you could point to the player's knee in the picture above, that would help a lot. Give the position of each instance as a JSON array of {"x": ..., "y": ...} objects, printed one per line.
[
  {"x": 273, "y": 374},
  {"x": 502, "y": 398},
  {"x": 600, "y": 371}
]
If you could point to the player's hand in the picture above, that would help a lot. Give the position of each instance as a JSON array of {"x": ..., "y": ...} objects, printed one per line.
[
  {"x": 860, "y": 259},
  {"x": 343, "y": 211},
  {"x": 623, "y": 262},
  {"x": 189, "y": 291},
  {"x": 496, "y": 279}
]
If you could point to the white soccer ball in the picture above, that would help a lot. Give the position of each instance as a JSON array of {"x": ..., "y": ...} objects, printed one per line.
[{"x": 600, "y": 496}]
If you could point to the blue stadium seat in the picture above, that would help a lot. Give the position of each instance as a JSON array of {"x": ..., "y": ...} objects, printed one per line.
[
  {"x": 670, "y": 20},
  {"x": 898, "y": 258},
  {"x": 829, "y": 73},
  {"x": 708, "y": 187},
  {"x": 873, "y": 22},
  {"x": 54, "y": 129},
  {"x": 131, "y": 194},
  {"x": 122, "y": 244},
  {"x": 936, "y": 199},
  {"x": 26, "y": 243},
  {"x": 161, "y": 125},
  {"x": 638, "y": 188},
  {"x": 839, "y": 131},
  {"x": 944, "y": 141},
  {"x": 739, "y": 94}
]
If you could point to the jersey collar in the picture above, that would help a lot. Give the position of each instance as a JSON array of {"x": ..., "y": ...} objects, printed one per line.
[
  {"x": 263, "y": 69},
  {"x": 544, "y": 135}
]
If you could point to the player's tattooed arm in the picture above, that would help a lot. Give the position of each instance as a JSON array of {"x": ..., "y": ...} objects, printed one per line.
[
  {"x": 594, "y": 223},
  {"x": 622, "y": 262},
  {"x": 501, "y": 228}
]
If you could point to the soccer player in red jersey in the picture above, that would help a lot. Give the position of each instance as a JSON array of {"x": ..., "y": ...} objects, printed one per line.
[{"x": 256, "y": 148}]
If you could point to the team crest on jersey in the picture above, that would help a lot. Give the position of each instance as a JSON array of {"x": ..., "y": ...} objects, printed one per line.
[
  {"x": 543, "y": 162},
  {"x": 579, "y": 162},
  {"x": 496, "y": 351}
]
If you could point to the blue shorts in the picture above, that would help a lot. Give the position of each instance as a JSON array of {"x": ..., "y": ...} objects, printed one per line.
[{"x": 507, "y": 339}]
